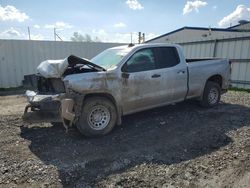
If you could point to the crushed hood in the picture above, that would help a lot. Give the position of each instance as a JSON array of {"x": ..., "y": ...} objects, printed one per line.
[{"x": 56, "y": 68}]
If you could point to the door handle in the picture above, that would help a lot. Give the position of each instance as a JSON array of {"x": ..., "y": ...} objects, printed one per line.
[
  {"x": 155, "y": 76},
  {"x": 181, "y": 72}
]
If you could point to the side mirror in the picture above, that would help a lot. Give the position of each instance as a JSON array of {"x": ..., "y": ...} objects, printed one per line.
[{"x": 125, "y": 75}]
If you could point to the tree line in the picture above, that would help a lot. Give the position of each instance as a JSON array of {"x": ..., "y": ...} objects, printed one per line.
[{"x": 78, "y": 37}]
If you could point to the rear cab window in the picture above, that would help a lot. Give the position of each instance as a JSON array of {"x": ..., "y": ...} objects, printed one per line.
[{"x": 166, "y": 57}]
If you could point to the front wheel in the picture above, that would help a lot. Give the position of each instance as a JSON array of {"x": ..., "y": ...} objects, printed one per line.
[
  {"x": 98, "y": 117},
  {"x": 211, "y": 94}
]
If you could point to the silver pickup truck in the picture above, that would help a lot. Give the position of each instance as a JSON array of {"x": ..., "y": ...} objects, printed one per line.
[{"x": 94, "y": 94}]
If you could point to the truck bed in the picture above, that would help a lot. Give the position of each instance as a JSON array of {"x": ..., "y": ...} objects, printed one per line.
[{"x": 201, "y": 69}]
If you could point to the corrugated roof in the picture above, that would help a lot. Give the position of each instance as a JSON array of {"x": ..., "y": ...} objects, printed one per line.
[
  {"x": 196, "y": 28},
  {"x": 247, "y": 22}
]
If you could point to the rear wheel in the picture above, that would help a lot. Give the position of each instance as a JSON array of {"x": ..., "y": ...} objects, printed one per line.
[
  {"x": 98, "y": 117},
  {"x": 211, "y": 94}
]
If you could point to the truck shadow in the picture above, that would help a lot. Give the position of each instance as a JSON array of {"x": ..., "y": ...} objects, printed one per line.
[{"x": 166, "y": 135}]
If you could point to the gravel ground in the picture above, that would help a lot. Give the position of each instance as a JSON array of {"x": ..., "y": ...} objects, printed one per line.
[{"x": 180, "y": 145}]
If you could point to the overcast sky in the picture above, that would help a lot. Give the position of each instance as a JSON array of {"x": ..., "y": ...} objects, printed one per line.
[{"x": 114, "y": 20}]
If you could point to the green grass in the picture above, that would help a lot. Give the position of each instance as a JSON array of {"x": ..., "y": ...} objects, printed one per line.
[{"x": 239, "y": 89}]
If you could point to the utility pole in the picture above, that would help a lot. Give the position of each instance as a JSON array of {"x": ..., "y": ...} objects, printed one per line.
[
  {"x": 131, "y": 38},
  {"x": 139, "y": 37},
  {"x": 55, "y": 33},
  {"x": 143, "y": 37},
  {"x": 29, "y": 33}
]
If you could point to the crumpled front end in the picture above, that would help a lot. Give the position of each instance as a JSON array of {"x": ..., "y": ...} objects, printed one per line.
[
  {"x": 42, "y": 108},
  {"x": 53, "y": 101},
  {"x": 49, "y": 108}
]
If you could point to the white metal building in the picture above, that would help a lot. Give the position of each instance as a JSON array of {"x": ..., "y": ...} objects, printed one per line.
[
  {"x": 232, "y": 43},
  {"x": 186, "y": 34},
  {"x": 236, "y": 49},
  {"x": 243, "y": 25}
]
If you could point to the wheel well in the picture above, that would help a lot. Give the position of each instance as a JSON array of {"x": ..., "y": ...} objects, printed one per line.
[
  {"x": 216, "y": 78},
  {"x": 105, "y": 95}
]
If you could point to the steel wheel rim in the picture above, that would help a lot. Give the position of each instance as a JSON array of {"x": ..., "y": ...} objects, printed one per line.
[
  {"x": 99, "y": 117},
  {"x": 213, "y": 96}
]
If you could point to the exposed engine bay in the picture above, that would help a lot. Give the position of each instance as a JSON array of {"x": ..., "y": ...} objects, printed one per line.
[{"x": 49, "y": 85}]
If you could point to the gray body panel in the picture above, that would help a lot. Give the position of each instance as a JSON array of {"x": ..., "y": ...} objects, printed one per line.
[{"x": 200, "y": 71}]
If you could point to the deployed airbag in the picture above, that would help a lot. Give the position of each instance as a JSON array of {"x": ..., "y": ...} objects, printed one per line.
[
  {"x": 56, "y": 68},
  {"x": 53, "y": 68}
]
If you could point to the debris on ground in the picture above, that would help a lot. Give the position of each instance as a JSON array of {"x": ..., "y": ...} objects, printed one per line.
[{"x": 174, "y": 146}]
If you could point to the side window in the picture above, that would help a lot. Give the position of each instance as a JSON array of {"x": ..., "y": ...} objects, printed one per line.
[
  {"x": 166, "y": 57},
  {"x": 142, "y": 60}
]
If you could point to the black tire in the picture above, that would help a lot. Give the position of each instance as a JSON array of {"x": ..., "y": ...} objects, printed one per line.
[
  {"x": 211, "y": 94},
  {"x": 98, "y": 117}
]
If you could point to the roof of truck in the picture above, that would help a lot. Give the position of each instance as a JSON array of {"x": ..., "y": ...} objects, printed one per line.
[{"x": 145, "y": 45}]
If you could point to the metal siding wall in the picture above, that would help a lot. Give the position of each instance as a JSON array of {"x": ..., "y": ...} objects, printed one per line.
[
  {"x": 19, "y": 58},
  {"x": 236, "y": 49},
  {"x": 247, "y": 74}
]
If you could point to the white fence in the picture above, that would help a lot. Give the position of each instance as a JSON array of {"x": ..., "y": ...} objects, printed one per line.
[
  {"x": 21, "y": 57},
  {"x": 236, "y": 49}
]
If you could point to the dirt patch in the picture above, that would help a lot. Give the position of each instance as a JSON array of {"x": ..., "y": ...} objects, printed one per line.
[
  {"x": 175, "y": 146},
  {"x": 12, "y": 105}
]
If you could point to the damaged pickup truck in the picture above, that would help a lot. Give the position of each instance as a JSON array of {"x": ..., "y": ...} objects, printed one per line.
[{"x": 94, "y": 94}]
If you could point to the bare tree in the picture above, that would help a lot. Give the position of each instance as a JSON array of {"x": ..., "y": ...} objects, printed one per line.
[
  {"x": 78, "y": 37},
  {"x": 88, "y": 38}
]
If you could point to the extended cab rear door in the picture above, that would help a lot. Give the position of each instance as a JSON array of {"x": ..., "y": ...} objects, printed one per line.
[{"x": 173, "y": 72}]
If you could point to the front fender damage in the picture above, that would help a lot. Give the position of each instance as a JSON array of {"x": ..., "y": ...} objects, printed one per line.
[
  {"x": 67, "y": 114},
  {"x": 71, "y": 107}
]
